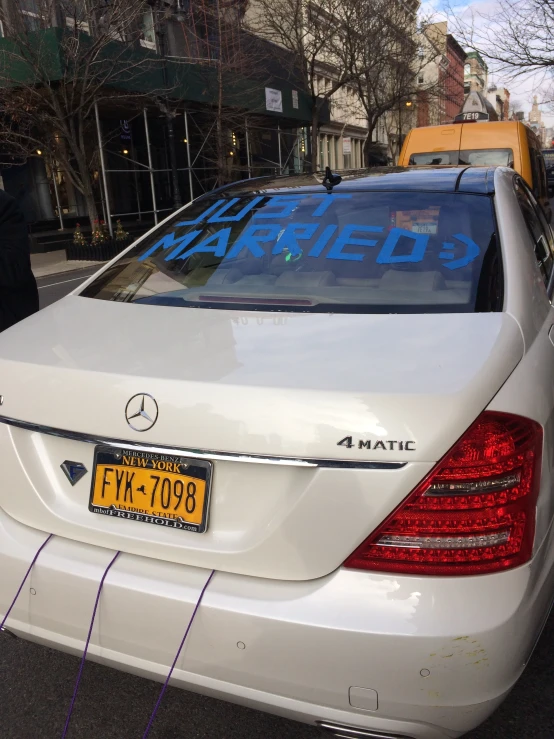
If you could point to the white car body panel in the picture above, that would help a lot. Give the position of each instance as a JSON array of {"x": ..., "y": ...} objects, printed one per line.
[
  {"x": 281, "y": 390},
  {"x": 306, "y": 643},
  {"x": 246, "y": 389}
]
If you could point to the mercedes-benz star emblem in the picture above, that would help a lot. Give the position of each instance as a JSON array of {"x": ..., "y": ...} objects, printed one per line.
[{"x": 141, "y": 412}]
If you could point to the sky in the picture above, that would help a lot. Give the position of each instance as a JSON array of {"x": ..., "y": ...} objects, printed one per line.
[{"x": 523, "y": 89}]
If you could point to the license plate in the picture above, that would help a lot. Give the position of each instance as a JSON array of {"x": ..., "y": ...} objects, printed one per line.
[
  {"x": 424, "y": 228},
  {"x": 161, "y": 489}
]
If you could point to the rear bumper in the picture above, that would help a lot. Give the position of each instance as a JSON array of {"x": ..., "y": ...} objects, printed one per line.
[{"x": 293, "y": 649}]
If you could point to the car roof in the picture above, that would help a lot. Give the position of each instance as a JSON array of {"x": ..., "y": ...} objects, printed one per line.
[{"x": 478, "y": 180}]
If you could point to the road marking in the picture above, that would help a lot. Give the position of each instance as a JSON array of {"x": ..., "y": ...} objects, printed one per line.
[{"x": 63, "y": 282}]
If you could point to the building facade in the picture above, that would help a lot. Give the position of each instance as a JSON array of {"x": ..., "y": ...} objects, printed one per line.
[
  {"x": 499, "y": 98},
  {"x": 476, "y": 73},
  {"x": 441, "y": 81},
  {"x": 263, "y": 124},
  {"x": 341, "y": 139},
  {"x": 536, "y": 122}
]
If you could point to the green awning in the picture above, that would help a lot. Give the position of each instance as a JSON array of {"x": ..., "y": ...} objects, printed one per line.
[{"x": 143, "y": 70}]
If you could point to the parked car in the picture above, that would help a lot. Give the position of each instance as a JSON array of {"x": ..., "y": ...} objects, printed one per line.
[
  {"x": 548, "y": 155},
  {"x": 337, "y": 398},
  {"x": 504, "y": 143}
]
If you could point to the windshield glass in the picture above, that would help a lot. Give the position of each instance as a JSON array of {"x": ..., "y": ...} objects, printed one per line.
[
  {"x": 490, "y": 157},
  {"x": 435, "y": 157},
  {"x": 549, "y": 156},
  {"x": 483, "y": 157},
  {"x": 373, "y": 252}
]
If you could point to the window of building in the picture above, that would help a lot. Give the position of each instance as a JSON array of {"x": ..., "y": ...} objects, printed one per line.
[
  {"x": 76, "y": 15},
  {"x": 467, "y": 70},
  {"x": 420, "y": 79},
  {"x": 31, "y": 16},
  {"x": 148, "y": 34}
]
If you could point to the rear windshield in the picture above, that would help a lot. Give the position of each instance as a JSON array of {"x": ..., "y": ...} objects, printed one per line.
[
  {"x": 349, "y": 252},
  {"x": 435, "y": 157},
  {"x": 483, "y": 157}
]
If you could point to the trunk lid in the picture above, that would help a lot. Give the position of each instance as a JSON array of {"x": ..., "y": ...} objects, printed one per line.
[{"x": 280, "y": 387}]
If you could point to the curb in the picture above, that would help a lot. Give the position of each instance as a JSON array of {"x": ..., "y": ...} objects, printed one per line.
[{"x": 62, "y": 268}]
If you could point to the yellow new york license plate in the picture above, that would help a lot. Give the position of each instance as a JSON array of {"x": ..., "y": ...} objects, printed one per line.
[{"x": 161, "y": 489}]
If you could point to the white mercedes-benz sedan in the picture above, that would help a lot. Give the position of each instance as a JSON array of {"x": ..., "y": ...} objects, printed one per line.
[{"x": 334, "y": 399}]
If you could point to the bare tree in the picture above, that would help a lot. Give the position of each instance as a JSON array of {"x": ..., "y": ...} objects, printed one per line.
[
  {"x": 380, "y": 49},
  {"x": 319, "y": 39},
  {"x": 399, "y": 61},
  {"x": 518, "y": 35},
  {"x": 233, "y": 68},
  {"x": 60, "y": 58}
]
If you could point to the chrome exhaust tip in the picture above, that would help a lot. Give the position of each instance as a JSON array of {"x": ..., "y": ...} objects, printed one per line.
[{"x": 352, "y": 732}]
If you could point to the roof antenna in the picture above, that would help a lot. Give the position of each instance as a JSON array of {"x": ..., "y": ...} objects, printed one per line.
[{"x": 331, "y": 180}]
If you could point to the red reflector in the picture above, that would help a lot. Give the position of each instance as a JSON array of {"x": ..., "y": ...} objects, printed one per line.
[{"x": 473, "y": 513}]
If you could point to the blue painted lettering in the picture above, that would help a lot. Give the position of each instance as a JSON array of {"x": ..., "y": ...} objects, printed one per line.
[
  {"x": 217, "y": 217},
  {"x": 385, "y": 256},
  {"x": 252, "y": 237},
  {"x": 328, "y": 199},
  {"x": 215, "y": 244},
  {"x": 322, "y": 241},
  {"x": 472, "y": 252},
  {"x": 346, "y": 238},
  {"x": 293, "y": 233},
  {"x": 185, "y": 241},
  {"x": 166, "y": 242},
  {"x": 202, "y": 215}
]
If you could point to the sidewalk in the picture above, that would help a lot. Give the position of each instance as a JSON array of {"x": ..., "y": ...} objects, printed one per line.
[{"x": 54, "y": 262}]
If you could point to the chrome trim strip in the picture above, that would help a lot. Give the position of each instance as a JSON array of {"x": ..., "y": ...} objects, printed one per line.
[
  {"x": 201, "y": 454},
  {"x": 351, "y": 732}
]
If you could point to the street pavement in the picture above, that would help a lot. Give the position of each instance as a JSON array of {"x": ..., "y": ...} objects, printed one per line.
[
  {"x": 36, "y": 683},
  {"x": 54, "y": 287}
]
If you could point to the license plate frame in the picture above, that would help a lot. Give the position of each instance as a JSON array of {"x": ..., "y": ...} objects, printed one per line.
[{"x": 197, "y": 470}]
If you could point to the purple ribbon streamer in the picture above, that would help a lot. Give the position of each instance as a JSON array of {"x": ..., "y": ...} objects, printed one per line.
[
  {"x": 197, "y": 606},
  {"x": 83, "y": 658},
  {"x": 44, "y": 543}
]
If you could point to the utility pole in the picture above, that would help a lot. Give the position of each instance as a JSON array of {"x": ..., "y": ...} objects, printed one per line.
[{"x": 158, "y": 7}]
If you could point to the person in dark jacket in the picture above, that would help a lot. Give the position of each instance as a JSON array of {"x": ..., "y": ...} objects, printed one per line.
[{"x": 18, "y": 287}]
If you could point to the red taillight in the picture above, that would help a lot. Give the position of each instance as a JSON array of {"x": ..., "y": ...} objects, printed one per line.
[{"x": 474, "y": 512}]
